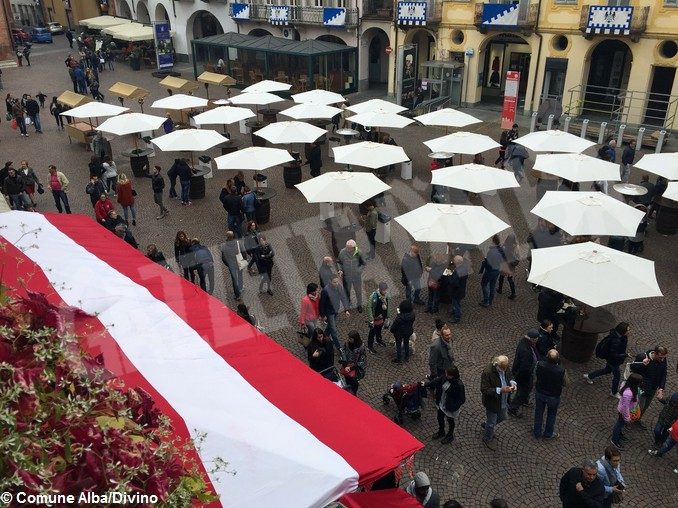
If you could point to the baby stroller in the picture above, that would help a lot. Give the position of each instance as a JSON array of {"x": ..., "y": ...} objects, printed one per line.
[
  {"x": 334, "y": 375},
  {"x": 407, "y": 398}
]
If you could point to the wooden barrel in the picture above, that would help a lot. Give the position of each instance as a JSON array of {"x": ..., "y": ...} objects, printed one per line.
[
  {"x": 578, "y": 346},
  {"x": 667, "y": 217},
  {"x": 292, "y": 175},
  {"x": 263, "y": 211},
  {"x": 270, "y": 116},
  {"x": 255, "y": 126},
  {"x": 362, "y": 207},
  {"x": 197, "y": 190},
  {"x": 138, "y": 164}
]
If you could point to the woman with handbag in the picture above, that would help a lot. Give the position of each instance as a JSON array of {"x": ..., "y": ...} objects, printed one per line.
[
  {"x": 321, "y": 355},
  {"x": 627, "y": 409},
  {"x": 31, "y": 181},
  {"x": 402, "y": 329},
  {"x": 182, "y": 253},
  {"x": 264, "y": 256},
  {"x": 251, "y": 243},
  {"x": 126, "y": 196},
  {"x": 450, "y": 396},
  {"x": 377, "y": 314},
  {"x": 354, "y": 362},
  {"x": 512, "y": 253},
  {"x": 435, "y": 267}
]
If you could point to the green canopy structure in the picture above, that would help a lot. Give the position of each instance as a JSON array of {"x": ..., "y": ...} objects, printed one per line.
[{"x": 306, "y": 65}]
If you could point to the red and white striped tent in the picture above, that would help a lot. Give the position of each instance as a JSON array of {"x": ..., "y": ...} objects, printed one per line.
[{"x": 291, "y": 437}]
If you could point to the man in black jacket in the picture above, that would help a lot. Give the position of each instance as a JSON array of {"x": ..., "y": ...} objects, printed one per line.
[
  {"x": 158, "y": 186},
  {"x": 547, "y": 340},
  {"x": 185, "y": 173},
  {"x": 457, "y": 286},
  {"x": 652, "y": 366},
  {"x": 523, "y": 371},
  {"x": 550, "y": 378},
  {"x": 332, "y": 298},
  {"x": 33, "y": 112},
  {"x": 615, "y": 355},
  {"x": 13, "y": 186},
  {"x": 550, "y": 302},
  {"x": 580, "y": 487},
  {"x": 232, "y": 203},
  {"x": 315, "y": 160},
  {"x": 496, "y": 385},
  {"x": 411, "y": 270}
]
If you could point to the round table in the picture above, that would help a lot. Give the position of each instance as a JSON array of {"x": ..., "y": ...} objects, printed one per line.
[
  {"x": 441, "y": 156},
  {"x": 263, "y": 209},
  {"x": 628, "y": 190},
  {"x": 580, "y": 339},
  {"x": 197, "y": 190},
  {"x": 138, "y": 159},
  {"x": 292, "y": 174},
  {"x": 270, "y": 115},
  {"x": 347, "y": 134},
  {"x": 230, "y": 146},
  {"x": 254, "y": 126},
  {"x": 667, "y": 216}
]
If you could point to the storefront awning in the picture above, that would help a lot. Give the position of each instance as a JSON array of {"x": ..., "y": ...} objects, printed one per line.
[
  {"x": 101, "y": 22},
  {"x": 179, "y": 84},
  {"x": 72, "y": 99},
  {"x": 126, "y": 91},
  {"x": 272, "y": 44},
  {"x": 131, "y": 32}
]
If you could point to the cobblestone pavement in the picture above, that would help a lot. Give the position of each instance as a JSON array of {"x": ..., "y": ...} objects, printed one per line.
[{"x": 523, "y": 470}]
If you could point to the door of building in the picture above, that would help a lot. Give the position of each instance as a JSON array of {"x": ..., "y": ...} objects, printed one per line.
[{"x": 660, "y": 95}]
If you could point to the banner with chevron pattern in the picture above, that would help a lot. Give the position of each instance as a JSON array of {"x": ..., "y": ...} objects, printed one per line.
[
  {"x": 334, "y": 16},
  {"x": 240, "y": 11},
  {"x": 500, "y": 14},
  {"x": 280, "y": 15},
  {"x": 412, "y": 13}
]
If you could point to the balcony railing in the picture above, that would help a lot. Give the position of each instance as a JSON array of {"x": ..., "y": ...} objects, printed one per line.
[
  {"x": 637, "y": 27},
  {"x": 378, "y": 9},
  {"x": 297, "y": 15},
  {"x": 526, "y": 22}
]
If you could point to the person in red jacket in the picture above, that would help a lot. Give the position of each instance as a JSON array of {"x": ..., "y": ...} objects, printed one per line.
[
  {"x": 309, "y": 313},
  {"x": 102, "y": 207},
  {"x": 126, "y": 198}
]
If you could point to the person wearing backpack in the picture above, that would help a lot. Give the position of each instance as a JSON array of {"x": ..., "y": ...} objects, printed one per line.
[
  {"x": 612, "y": 349},
  {"x": 506, "y": 137}
]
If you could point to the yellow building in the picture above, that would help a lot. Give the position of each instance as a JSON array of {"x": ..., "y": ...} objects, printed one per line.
[{"x": 611, "y": 60}]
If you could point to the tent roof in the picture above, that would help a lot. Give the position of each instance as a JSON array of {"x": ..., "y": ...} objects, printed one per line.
[
  {"x": 73, "y": 99},
  {"x": 179, "y": 84},
  {"x": 104, "y": 21},
  {"x": 127, "y": 91},
  {"x": 213, "y": 78},
  {"x": 274, "y": 44}
]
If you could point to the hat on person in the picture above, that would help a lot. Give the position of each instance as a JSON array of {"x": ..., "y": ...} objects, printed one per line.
[
  {"x": 533, "y": 333},
  {"x": 383, "y": 286},
  {"x": 439, "y": 323},
  {"x": 421, "y": 480}
]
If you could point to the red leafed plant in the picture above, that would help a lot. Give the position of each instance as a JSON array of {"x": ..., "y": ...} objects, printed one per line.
[{"x": 68, "y": 426}]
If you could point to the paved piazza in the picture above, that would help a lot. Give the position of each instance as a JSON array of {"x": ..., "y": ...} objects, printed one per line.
[{"x": 523, "y": 470}]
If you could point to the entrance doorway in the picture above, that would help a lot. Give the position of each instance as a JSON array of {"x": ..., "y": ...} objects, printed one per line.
[
  {"x": 377, "y": 71},
  {"x": 504, "y": 52},
  {"x": 660, "y": 95},
  {"x": 609, "y": 71}
]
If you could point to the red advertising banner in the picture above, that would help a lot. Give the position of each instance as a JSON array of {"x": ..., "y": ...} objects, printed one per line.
[{"x": 508, "y": 113}]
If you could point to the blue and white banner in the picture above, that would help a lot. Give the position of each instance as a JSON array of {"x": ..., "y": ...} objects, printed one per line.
[
  {"x": 606, "y": 19},
  {"x": 500, "y": 14},
  {"x": 163, "y": 45},
  {"x": 280, "y": 15},
  {"x": 334, "y": 16},
  {"x": 240, "y": 11},
  {"x": 412, "y": 13}
]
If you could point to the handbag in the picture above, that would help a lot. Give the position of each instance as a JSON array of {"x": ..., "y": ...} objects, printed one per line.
[
  {"x": 134, "y": 193},
  {"x": 378, "y": 321},
  {"x": 8, "y": 116},
  {"x": 41, "y": 189},
  {"x": 14, "y": 125},
  {"x": 433, "y": 284},
  {"x": 242, "y": 262},
  {"x": 349, "y": 370}
]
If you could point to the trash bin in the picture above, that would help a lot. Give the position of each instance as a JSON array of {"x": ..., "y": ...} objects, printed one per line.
[
  {"x": 261, "y": 179},
  {"x": 205, "y": 165},
  {"x": 244, "y": 128},
  {"x": 383, "y": 228},
  {"x": 406, "y": 170},
  {"x": 332, "y": 142}
]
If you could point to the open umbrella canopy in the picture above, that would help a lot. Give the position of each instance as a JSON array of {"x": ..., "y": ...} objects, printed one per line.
[
  {"x": 447, "y": 117},
  {"x": 577, "y": 167},
  {"x": 222, "y": 102},
  {"x": 95, "y": 109},
  {"x": 290, "y": 132},
  {"x": 468, "y": 143},
  {"x": 554, "y": 141},
  {"x": 474, "y": 178},
  {"x": 131, "y": 123},
  {"x": 310, "y": 110},
  {"x": 588, "y": 213},
  {"x": 662, "y": 164},
  {"x": 180, "y": 101},
  {"x": 434, "y": 222},
  {"x": 376, "y": 105},
  {"x": 594, "y": 274},
  {"x": 189, "y": 140},
  {"x": 223, "y": 115},
  {"x": 318, "y": 96},
  {"x": 256, "y": 98},
  {"x": 267, "y": 86},
  {"x": 381, "y": 118},
  {"x": 671, "y": 191},
  {"x": 256, "y": 158},
  {"x": 369, "y": 154},
  {"x": 342, "y": 187}
]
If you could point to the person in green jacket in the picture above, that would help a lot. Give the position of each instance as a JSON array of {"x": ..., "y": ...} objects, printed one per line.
[{"x": 377, "y": 314}]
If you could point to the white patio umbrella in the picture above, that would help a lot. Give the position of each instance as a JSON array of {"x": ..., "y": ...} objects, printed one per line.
[
  {"x": 180, "y": 101},
  {"x": 369, "y": 154},
  {"x": 376, "y": 105},
  {"x": 255, "y": 158},
  {"x": 462, "y": 142},
  {"x": 309, "y": 110},
  {"x": 662, "y": 164},
  {"x": 290, "y": 132},
  {"x": 131, "y": 123},
  {"x": 588, "y": 213},
  {"x": 342, "y": 187},
  {"x": 223, "y": 115},
  {"x": 189, "y": 140},
  {"x": 577, "y": 167},
  {"x": 474, "y": 178},
  {"x": 256, "y": 98},
  {"x": 434, "y": 222},
  {"x": 318, "y": 96},
  {"x": 267, "y": 86},
  {"x": 554, "y": 141},
  {"x": 222, "y": 102},
  {"x": 671, "y": 191},
  {"x": 94, "y": 110},
  {"x": 447, "y": 117},
  {"x": 594, "y": 274},
  {"x": 380, "y": 118}
]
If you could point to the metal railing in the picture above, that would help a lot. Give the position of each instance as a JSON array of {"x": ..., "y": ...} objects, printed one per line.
[
  {"x": 638, "y": 21},
  {"x": 297, "y": 15},
  {"x": 617, "y": 106},
  {"x": 378, "y": 9},
  {"x": 527, "y": 20}
]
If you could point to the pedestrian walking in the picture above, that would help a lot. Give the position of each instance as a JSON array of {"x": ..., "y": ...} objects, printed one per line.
[
  {"x": 580, "y": 487},
  {"x": 185, "y": 173},
  {"x": 354, "y": 361},
  {"x": 327, "y": 271},
  {"x": 435, "y": 267},
  {"x": 628, "y": 155},
  {"x": 172, "y": 174},
  {"x": 13, "y": 187},
  {"x": 182, "y": 255},
  {"x": 309, "y": 312},
  {"x": 18, "y": 112},
  {"x": 110, "y": 175},
  {"x": 402, "y": 329},
  {"x": 651, "y": 365},
  {"x": 95, "y": 188},
  {"x": 58, "y": 184},
  {"x": 351, "y": 263},
  {"x": 440, "y": 356},
  {"x": 550, "y": 378},
  {"x": 411, "y": 270},
  {"x": 314, "y": 159},
  {"x": 450, "y": 395},
  {"x": 524, "y": 363},
  {"x": 609, "y": 473},
  {"x": 667, "y": 416},
  {"x": 490, "y": 270},
  {"x": 56, "y": 109},
  {"x": 264, "y": 256},
  {"x": 457, "y": 285},
  {"x": 636, "y": 243},
  {"x": 321, "y": 355},
  {"x": 27, "y": 52},
  {"x": 232, "y": 203},
  {"x": 233, "y": 256},
  {"x": 508, "y": 267},
  {"x": 516, "y": 155},
  {"x": 31, "y": 181},
  {"x": 158, "y": 187},
  {"x": 628, "y": 402},
  {"x": 95, "y": 167},
  {"x": 332, "y": 300},
  {"x": 668, "y": 445},
  {"x": 41, "y": 98},
  {"x": 69, "y": 38},
  {"x": 506, "y": 137},
  {"x": 612, "y": 349},
  {"x": 126, "y": 198},
  {"x": 33, "y": 112},
  {"x": 249, "y": 203},
  {"x": 203, "y": 263},
  {"x": 496, "y": 384},
  {"x": 378, "y": 305},
  {"x": 547, "y": 340},
  {"x": 371, "y": 220}
]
